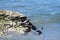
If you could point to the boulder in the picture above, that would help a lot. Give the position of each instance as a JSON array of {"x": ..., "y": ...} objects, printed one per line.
[{"x": 10, "y": 20}]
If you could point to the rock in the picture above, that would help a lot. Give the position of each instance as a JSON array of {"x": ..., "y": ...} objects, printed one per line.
[
  {"x": 15, "y": 21},
  {"x": 9, "y": 19}
]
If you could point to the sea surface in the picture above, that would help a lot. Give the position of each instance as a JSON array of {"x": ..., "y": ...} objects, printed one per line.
[{"x": 43, "y": 13}]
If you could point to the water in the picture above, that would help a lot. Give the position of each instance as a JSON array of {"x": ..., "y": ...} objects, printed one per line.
[{"x": 43, "y": 13}]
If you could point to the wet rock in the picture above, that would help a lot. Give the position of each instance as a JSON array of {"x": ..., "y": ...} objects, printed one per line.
[{"x": 14, "y": 21}]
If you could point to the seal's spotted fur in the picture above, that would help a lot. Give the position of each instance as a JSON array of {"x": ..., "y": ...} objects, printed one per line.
[{"x": 16, "y": 21}]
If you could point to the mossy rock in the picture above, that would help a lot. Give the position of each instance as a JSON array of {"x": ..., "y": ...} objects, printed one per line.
[{"x": 10, "y": 17}]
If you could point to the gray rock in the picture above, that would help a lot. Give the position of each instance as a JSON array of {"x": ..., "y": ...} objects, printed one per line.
[{"x": 10, "y": 20}]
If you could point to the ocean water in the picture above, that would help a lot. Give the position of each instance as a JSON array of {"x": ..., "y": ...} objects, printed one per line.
[{"x": 43, "y": 13}]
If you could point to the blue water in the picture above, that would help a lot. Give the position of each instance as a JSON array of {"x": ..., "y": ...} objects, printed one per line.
[{"x": 43, "y": 13}]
